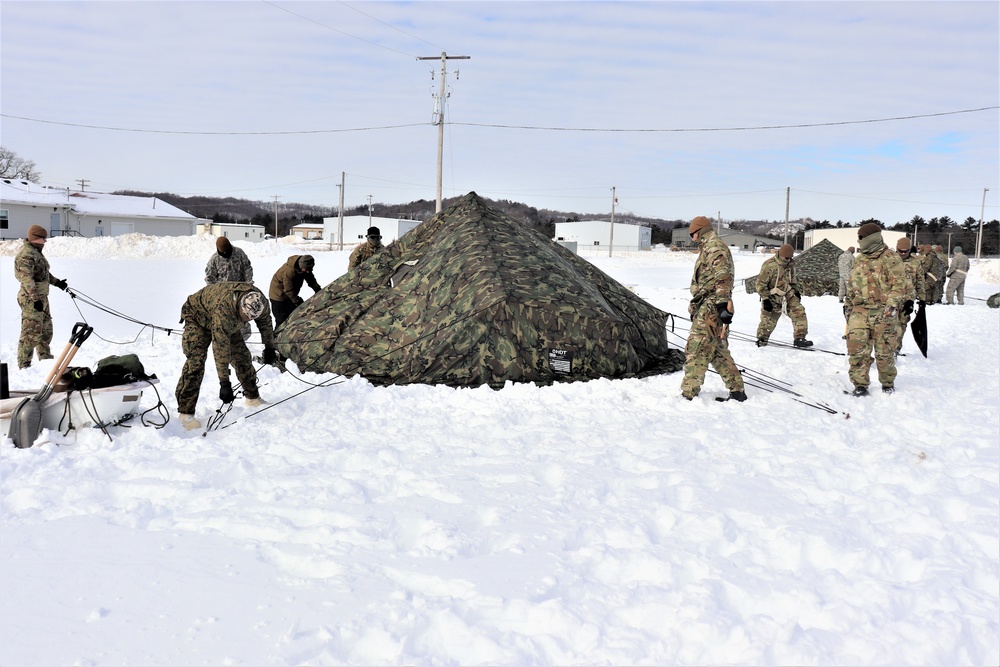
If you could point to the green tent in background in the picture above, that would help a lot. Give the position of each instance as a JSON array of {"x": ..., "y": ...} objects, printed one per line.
[
  {"x": 815, "y": 269},
  {"x": 473, "y": 297}
]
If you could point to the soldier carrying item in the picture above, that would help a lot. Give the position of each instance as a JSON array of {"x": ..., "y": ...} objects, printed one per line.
[
  {"x": 32, "y": 270},
  {"x": 914, "y": 287}
]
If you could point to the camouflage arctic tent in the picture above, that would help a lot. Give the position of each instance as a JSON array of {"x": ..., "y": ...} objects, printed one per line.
[
  {"x": 472, "y": 297},
  {"x": 815, "y": 269}
]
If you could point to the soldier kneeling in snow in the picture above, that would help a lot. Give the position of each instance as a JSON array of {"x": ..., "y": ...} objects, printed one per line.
[{"x": 214, "y": 315}]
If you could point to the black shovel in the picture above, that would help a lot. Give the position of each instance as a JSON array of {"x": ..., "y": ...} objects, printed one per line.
[{"x": 26, "y": 420}]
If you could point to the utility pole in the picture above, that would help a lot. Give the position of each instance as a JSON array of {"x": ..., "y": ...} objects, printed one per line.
[
  {"x": 979, "y": 239},
  {"x": 614, "y": 200},
  {"x": 340, "y": 216},
  {"x": 369, "y": 210},
  {"x": 83, "y": 183},
  {"x": 788, "y": 197},
  {"x": 276, "y": 217},
  {"x": 439, "y": 120}
]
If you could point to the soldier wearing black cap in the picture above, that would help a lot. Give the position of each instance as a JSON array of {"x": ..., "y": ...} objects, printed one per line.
[
  {"x": 875, "y": 295},
  {"x": 286, "y": 283},
  {"x": 366, "y": 250},
  {"x": 32, "y": 270}
]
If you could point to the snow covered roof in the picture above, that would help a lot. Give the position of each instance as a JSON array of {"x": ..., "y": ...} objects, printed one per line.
[{"x": 88, "y": 203}]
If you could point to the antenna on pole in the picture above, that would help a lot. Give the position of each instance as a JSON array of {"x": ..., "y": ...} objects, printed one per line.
[
  {"x": 614, "y": 200},
  {"x": 439, "y": 113},
  {"x": 276, "y": 197},
  {"x": 83, "y": 183}
]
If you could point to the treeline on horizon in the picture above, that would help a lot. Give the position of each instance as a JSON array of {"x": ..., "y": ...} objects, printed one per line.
[{"x": 233, "y": 210}]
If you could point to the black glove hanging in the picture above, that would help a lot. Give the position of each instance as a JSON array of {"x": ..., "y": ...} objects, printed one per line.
[
  {"x": 768, "y": 306},
  {"x": 39, "y": 306},
  {"x": 226, "y": 392},
  {"x": 724, "y": 315}
]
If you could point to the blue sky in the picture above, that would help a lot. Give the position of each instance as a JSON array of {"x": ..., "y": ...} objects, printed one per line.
[{"x": 558, "y": 103}]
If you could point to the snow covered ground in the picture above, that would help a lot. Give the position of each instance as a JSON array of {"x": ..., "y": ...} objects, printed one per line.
[{"x": 606, "y": 522}]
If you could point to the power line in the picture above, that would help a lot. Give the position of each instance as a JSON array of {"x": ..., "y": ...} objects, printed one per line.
[
  {"x": 724, "y": 129},
  {"x": 501, "y": 126}
]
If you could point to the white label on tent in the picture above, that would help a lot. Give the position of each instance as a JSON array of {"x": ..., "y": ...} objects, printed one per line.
[{"x": 561, "y": 361}]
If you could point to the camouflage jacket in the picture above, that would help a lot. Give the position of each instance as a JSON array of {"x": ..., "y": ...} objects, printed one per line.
[
  {"x": 215, "y": 309},
  {"x": 776, "y": 279},
  {"x": 287, "y": 281},
  {"x": 913, "y": 270},
  {"x": 877, "y": 280},
  {"x": 363, "y": 253},
  {"x": 930, "y": 267},
  {"x": 844, "y": 264},
  {"x": 943, "y": 263},
  {"x": 32, "y": 270},
  {"x": 234, "y": 269},
  {"x": 959, "y": 263},
  {"x": 712, "y": 281}
]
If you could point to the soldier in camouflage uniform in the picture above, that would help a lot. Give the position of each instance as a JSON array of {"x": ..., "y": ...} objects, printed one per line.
[
  {"x": 914, "y": 287},
  {"x": 844, "y": 264},
  {"x": 942, "y": 274},
  {"x": 214, "y": 315},
  {"x": 32, "y": 270},
  {"x": 779, "y": 293},
  {"x": 711, "y": 312},
  {"x": 957, "y": 271},
  {"x": 874, "y": 298},
  {"x": 366, "y": 250},
  {"x": 930, "y": 270},
  {"x": 286, "y": 283},
  {"x": 229, "y": 264}
]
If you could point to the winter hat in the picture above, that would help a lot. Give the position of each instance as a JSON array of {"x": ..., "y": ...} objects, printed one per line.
[
  {"x": 903, "y": 245},
  {"x": 868, "y": 229},
  {"x": 374, "y": 231},
  {"x": 37, "y": 232},
  {"x": 698, "y": 224},
  {"x": 224, "y": 247},
  {"x": 786, "y": 251},
  {"x": 851, "y": 250},
  {"x": 958, "y": 249},
  {"x": 306, "y": 262},
  {"x": 252, "y": 305}
]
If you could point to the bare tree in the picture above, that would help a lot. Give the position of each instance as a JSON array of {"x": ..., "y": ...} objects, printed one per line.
[{"x": 13, "y": 165}]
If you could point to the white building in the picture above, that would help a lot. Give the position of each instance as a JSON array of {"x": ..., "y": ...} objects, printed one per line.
[
  {"x": 845, "y": 237},
  {"x": 66, "y": 213},
  {"x": 596, "y": 234},
  {"x": 233, "y": 231},
  {"x": 356, "y": 229}
]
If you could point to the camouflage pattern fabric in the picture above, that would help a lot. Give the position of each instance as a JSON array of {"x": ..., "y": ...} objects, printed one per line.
[
  {"x": 844, "y": 264},
  {"x": 817, "y": 270},
  {"x": 233, "y": 269},
  {"x": 363, "y": 253},
  {"x": 472, "y": 297},
  {"x": 874, "y": 295},
  {"x": 956, "y": 279},
  {"x": 711, "y": 285},
  {"x": 211, "y": 317},
  {"x": 32, "y": 271},
  {"x": 942, "y": 277},
  {"x": 931, "y": 271},
  {"x": 777, "y": 284},
  {"x": 287, "y": 281},
  {"x": 914, "y": 286}
]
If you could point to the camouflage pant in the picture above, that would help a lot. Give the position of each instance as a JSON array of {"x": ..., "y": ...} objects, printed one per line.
[
  {"x": 842, "y": 288},
  {"x": 195, "y": 344},
  {"x": 956, "y": 287},
  {"x": 36, "y": 331},
  {"x": 867, "y": 329},
  {"x": 939, "y": 290},
  {"x": 769, "y": 320},
  {"x": 901, "y": 326},
  {"x": 706, "y": 345}
]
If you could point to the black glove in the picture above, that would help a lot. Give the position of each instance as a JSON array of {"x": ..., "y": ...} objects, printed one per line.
[
  {"x": 921, "y": 303},
  {"x": 768, "y": 306},
  {"x": 270, "y": 355},
  {"x": 39, "y": 306},
  {"x": 724, "y": 315},
  {"x": 297, "y": 301},
  {"x": 226, "y": 392},
  {"x": 61, "y": 284},
  {"x": 798, "y": 295},
  {"x": 908, "y": 307}
]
